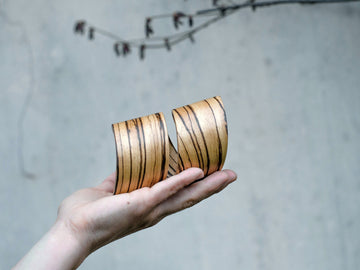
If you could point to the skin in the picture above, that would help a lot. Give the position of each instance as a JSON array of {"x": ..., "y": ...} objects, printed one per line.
[{"x": 93, "y": 217}]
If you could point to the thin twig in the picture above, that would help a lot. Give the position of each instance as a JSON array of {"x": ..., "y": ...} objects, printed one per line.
[
  {"x": 274, "y": 3},
  {"x": 217, "y": 13}
]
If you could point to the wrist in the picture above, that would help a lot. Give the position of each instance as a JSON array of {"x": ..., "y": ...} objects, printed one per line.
[
  {"x": 60, "y": 248},
  {"x": 66, "y": 244}
]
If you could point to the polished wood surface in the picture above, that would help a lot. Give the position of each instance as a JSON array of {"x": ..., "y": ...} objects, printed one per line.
[
  {"x": 202, "y": 135},
  {"x": 142, "y": 152},
  {"x": 146, "y": 155}
]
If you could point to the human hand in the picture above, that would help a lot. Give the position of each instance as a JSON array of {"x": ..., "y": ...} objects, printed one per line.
[
  {"x": 97, "y": 217},
  {"x": 94, "y": 217}
]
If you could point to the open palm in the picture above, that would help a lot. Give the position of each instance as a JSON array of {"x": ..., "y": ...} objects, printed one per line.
[{"x": 98, "y": 217}]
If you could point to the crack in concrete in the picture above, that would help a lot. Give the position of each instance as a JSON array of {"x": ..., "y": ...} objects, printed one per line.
[{"x": 25, "y": 106}]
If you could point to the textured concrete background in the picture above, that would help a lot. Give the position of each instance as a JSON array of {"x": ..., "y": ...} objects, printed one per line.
[{"x": 290, "y": 80}]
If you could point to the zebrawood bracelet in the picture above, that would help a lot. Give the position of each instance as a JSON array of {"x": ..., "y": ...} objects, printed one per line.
[{"x": 146, "y": 155}]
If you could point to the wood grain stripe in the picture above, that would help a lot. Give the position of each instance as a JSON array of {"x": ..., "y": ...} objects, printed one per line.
[
  {"x": 218, "y": 136},
  {"x": 204, "y": 140},
  {"x": 144, "y": 143},
  {"x": 190, "y": 134}
]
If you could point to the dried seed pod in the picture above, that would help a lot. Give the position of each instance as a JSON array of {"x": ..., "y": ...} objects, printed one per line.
[
  {"x": 117, "y": 49},
  {"x": 126, "y": 49},
  {"x": 222, "y": 11},
  {"x": 176, "y": 19},
  {"x": 191, "y": 21},
  {"x": 80, "y": 27},
  {"x": 142, "y": 52},
  {"x": 148, "y": 29},
  {"x": 167, "y": 44},
  {"x": 91, "y": 33},
  {"x": 252, "y": 6}
]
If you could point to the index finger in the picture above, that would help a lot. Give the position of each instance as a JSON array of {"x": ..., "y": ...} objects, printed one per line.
[{"x": 168, "y": 187}]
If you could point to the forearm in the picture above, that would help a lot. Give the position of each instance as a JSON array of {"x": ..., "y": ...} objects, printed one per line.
[{"x": 58, "y": 249}]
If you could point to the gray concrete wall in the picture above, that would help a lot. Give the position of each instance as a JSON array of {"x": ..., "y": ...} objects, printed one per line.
[{"x": 290, "y": 80}]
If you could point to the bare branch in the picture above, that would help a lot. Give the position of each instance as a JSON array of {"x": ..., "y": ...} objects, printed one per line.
[{"x": 216, "y": 13}]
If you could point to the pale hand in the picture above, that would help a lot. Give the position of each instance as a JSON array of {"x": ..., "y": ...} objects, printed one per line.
[{"x": 93, "y": 217}]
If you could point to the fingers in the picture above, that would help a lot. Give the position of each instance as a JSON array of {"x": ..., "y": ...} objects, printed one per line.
[
  {"x": 137, "y": 206},
  {"x": 195, "y": 193},
  {"x": 108, "y": 184},
  {"x": 167, "y": 188},
  {"x": 141, "y": 208}
]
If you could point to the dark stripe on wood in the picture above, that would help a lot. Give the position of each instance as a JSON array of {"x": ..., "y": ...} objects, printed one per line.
[
  {"x": 203, "y": 137},
  {"x": 182, "y": 166},
  {"x": 225, "y": 119},
  {"x": 117, "y": 160},
  {"x": 171, "y": 171},
  {"x": 220, "y": 103},
  {"x": 141, "y": 156},
  {"x": 143, "y": 136},
  {"x": 190, "y": 133},
  {"x": 173, "y": 149},
  {"x": 171, "y": 167},
  {"x": 122, "y": 160},
  {"x": 218, "y": 137},
  {"x": 163, "y": 145},
  {"x": 187, "y": 153},
  {"x": 173, "y": 158},
  {"x": 173, "y": 163},
  {"x": 153, "y": 181},
  {"x": 198, "y": 153},
  {"x": 128, "y": 134}
]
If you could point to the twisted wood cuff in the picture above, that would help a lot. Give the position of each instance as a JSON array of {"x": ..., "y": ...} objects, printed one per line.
[{"x": 146, "y": 155}]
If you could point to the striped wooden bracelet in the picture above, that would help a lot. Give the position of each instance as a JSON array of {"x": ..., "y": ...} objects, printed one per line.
[{"x": 146, "y": 155}]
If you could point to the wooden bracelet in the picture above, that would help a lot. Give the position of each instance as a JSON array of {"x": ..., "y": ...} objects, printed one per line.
[{"x": 146, "y": 155}]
